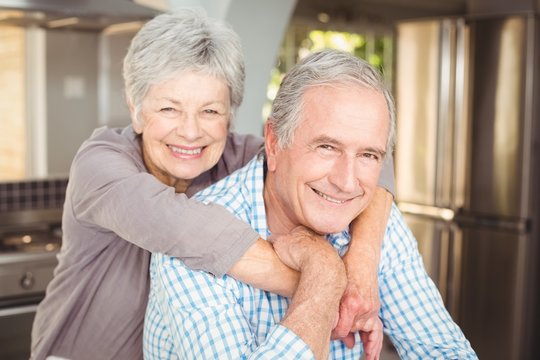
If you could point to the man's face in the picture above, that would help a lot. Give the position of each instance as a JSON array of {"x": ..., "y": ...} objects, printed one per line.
[{"x": 328, "y": 175}]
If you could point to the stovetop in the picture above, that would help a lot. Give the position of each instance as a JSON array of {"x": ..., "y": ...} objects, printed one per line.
[
  {"x": 27, "y": 258},
  {"x": 31, "y": 241}
]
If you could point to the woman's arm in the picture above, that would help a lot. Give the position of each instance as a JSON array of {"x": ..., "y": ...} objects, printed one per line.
[
  {"x": 261, "y": 267},
  {"x": 114, "y": 193},
  {"x": 360, "y": 303},
  {"x": 110, "y": 191},
  {"x": 362, "y": 258}
]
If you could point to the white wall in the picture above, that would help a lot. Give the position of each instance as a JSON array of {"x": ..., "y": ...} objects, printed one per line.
[{"x": 71, "y": 95}]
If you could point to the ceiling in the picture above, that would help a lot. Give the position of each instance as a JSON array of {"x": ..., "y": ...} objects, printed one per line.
[
  {"x": 92, "y": 15},
  {"x": 386, "y": 11},
  {"x": 95, "y": 15}
]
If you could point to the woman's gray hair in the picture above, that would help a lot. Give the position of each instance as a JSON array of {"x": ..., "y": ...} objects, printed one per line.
[
  {"x": 186, "y": 40},
  {"x": 326, "y": 67}
]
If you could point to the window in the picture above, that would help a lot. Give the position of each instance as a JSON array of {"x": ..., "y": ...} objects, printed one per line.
[
  {"x": 301, "y": 40},
  {"x": 12, "y": 103}
]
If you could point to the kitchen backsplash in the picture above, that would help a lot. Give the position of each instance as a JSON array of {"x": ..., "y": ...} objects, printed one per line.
[{"x": 32, "y": 195}]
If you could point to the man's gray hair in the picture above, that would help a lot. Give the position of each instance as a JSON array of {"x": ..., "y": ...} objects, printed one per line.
[
  {"x": 326, "y": 67},
  {"x": 186, "y": 40}
]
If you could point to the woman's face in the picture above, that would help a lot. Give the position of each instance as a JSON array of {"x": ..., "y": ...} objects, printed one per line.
[{"x": 184, "y": 123}]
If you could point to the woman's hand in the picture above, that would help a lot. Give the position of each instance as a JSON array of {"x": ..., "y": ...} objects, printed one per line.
[{"x": 358, "y": 311}]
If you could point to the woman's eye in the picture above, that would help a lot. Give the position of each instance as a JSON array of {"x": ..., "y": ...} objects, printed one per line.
[
  {"x": 210, "y": 111},
  {"x": 166, "y": 109}
]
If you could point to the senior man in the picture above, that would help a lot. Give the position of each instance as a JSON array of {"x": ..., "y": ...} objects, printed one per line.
[{"x": 331, "y": 125}]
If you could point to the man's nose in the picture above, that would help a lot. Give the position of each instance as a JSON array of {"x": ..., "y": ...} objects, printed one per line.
[{"x": 344, "y": 174}]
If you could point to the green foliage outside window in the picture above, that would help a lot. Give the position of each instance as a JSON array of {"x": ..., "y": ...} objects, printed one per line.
[{"x": 377, "y": 50}]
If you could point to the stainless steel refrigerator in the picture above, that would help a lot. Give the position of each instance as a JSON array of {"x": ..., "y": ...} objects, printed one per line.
[{"x": 467, "y": 164}]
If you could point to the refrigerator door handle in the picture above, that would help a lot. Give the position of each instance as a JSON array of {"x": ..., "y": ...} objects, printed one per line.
[
  {"x": 516, "y": 225},
  {"x": 461, "y": 120},
  {"x": 433, "y": 212}
]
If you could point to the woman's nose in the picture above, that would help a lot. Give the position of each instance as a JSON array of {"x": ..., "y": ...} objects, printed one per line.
[{"x": 189, "y": 127}]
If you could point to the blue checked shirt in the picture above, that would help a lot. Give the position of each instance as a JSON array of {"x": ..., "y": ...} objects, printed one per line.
[{"x": 194, "y": 315}]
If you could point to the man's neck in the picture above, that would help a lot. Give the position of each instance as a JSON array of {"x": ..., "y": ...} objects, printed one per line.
[{"x": 277, "y": 216}]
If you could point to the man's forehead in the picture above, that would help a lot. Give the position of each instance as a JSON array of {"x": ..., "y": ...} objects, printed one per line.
[{"x": 338, "y": 114}]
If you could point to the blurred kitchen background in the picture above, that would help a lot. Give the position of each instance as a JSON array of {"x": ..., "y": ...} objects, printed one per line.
[{"x": 465, "y": 74}]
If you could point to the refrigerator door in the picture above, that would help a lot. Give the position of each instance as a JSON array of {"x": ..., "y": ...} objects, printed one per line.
[
  {"x": 492, "y": 287},
  {"x": 478, "y": 273},
  {"x": 431, "y": 112},
  {"x": 466, "y": 171},
  {"x": 417, "y": 72},
  {"x": 501, "y": 149}
]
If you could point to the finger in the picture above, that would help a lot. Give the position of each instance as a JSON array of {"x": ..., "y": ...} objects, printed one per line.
[
  {"x": 378, "y": 342},
  {"x": 349, "y": 340},
  {"x": 345, "y": 322},
  {"x": 372, "y": 345},
  {"x": 365, "y": 324},
  {"x": 364, "y": 336},
  {"x": 373, "y": 340}
]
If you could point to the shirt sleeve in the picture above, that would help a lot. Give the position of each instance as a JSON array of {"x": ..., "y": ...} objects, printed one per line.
[
  {"x": 196, "y": 316},
  {"x": 112, "y": 192},
  {"x": 412, "y": 309},
  {"x": 386, "y": 179}
]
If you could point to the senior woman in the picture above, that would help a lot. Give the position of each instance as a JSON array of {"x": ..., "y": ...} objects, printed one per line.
[{"x": 128, "y": 196}]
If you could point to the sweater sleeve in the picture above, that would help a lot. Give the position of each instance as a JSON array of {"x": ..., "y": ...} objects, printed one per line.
[{"x": 112, "y": 192}]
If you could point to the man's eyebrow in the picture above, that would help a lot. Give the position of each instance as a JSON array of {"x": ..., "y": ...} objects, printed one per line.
[
  {"x": 326, "y": 139},
  {"x": 330, "y": 140}
]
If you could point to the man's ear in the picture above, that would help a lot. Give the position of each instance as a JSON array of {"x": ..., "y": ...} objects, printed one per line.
[
  {"x": 137, "y": 126},
  {"x": 270, "y": 145}
]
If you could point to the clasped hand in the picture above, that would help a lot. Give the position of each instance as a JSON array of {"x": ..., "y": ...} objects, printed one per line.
[{"x": 359, "y": 305}]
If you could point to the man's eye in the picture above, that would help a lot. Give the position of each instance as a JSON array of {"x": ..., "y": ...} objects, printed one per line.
[
  {"x": 370, "y": 156},
  {"x": 166, "y": 109},
  {"x": 327, "y": 150},
  {"x": 210, "y": 111},
  {"x": 326, "y": 147}
]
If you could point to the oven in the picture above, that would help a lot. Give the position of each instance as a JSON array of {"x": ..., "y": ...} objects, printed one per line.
[{"x": 29, "y": 242}]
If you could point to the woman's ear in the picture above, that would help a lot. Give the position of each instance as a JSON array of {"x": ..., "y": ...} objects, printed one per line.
[
  {"x": 137, "y": 126},
  {"x": 270, "y": 145}
]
